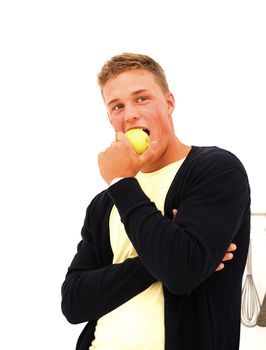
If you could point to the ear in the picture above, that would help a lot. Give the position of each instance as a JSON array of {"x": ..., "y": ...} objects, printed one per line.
[{"x": 170, "y": 102}]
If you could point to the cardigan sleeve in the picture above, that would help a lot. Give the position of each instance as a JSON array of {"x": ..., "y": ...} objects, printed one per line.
[
  {"x": 91, "y": 290},
  {"x": 184, "y": 252}
]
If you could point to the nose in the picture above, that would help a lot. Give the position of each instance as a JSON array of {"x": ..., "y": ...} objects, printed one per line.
[{"x": 131, "y": 114}]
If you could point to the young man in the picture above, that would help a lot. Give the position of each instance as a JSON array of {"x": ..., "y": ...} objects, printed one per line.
[{"x": 144, "y": 273}]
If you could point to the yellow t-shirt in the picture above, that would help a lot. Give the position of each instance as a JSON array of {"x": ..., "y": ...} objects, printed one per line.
[{"x": 138, "y": 323}]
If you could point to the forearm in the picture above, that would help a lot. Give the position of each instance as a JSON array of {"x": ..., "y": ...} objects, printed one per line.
[{"x": 88, "y": 295}]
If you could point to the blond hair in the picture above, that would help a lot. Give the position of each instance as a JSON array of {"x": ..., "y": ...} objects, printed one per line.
[{"x": 130, "y": 61}]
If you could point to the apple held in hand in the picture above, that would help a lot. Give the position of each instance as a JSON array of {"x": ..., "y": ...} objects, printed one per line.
[{"x": 139, "y": 139}]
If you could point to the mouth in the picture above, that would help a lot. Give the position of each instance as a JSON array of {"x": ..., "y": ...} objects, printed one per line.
[
  {"x": 147, "y": 131},
  {"x": 143, "y": 129}
]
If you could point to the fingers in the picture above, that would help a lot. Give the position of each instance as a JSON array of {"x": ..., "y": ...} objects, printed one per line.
[
  {"x": 220, "y": 267},
  {"x": 174, "y": 213},
  {"x": 228, "y": 256},
  {"x": 144, "y": 157},
  {"x": 147, "y": 155},
  {"x": 120, "y": 136},
  {"x": 232, "y": 247}
]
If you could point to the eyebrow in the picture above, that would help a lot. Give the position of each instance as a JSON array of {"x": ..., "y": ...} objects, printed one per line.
[{"x": 133, "y": 93}]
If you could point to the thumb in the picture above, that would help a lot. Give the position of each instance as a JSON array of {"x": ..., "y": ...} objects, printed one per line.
[
  {"x": 148, "y": 154},
  {"x": 119, "y": 136}
]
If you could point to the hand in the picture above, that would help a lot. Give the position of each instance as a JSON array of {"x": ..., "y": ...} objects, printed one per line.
[
  {"x": 228, "y": 255},
  {"x": 120, "y": 159}
]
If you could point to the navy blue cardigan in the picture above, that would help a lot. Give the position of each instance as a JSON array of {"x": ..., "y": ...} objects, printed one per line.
[{"x": 202, "y": 307}]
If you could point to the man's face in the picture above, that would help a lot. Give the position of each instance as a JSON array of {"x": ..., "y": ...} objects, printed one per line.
[{"x": 135, "y": 100}]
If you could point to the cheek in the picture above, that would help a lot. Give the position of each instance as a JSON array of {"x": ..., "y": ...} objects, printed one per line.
[{"x": 116, "y": 124}]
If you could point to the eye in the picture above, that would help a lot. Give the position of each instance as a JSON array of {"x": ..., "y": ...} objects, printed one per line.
[
  {"x": 117, "y": 107},
  {"x": 141, "y": 99}
]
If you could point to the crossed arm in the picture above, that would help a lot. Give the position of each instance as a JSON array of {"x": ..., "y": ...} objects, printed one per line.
[
  {"x": 91, "y": 290},
  {"x": 184, "y": 253}
]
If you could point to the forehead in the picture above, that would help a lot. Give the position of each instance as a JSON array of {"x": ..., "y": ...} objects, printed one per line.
[{"x": 128, "y": 82}]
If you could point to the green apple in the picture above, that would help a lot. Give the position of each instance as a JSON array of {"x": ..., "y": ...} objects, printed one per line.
[{"x": 139, "y": 139}]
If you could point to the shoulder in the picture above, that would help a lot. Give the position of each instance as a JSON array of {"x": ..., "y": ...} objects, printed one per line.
[{"x": 213, "y": 160}]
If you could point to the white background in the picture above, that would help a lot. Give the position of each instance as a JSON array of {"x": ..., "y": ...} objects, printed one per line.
[{"x": 53, "y": 125}]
